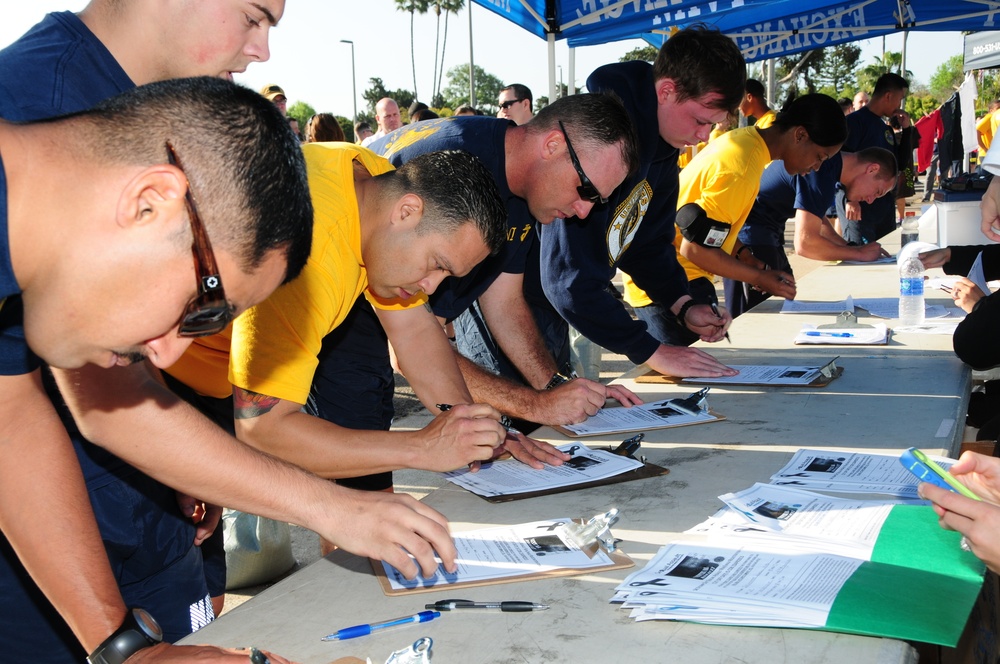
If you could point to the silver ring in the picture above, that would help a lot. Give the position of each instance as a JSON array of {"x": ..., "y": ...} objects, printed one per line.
[{"x": 965, "y": 544}]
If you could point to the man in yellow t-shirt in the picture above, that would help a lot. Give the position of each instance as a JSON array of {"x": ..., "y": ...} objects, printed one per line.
[
  {"x": 754, "y": 104},
  {"x": 986, "y": 128},
  {"x": 392, "y": 235}
]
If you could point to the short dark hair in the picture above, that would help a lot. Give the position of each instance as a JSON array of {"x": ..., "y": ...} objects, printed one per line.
[
  {"x": 700, "y": 61},
  {"x": 846, "y": 102},
  {"x": 323, "y": 128},
  {"x": 889, "y": 82},
  {"x": 243, "y": 162},
  {"x": 820, "y": 115},
  {"x": 465, "y": 108},
  {"x": 596, "y": 119},
  {"x": 521, "y": 92},
  {"x": 755, "y": 88},
  {"x": 457, "y": 189},
  {"x": 888, "y": 169},
  {"x": 423, "y": 114},
  {"x": 416, "y": 106}
]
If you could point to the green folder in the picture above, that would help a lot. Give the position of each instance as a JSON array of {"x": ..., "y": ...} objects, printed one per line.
[{"x": 919, "y": 585}]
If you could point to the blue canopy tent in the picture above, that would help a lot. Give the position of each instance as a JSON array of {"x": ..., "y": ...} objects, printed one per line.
[{"x": 762, "y": 28}]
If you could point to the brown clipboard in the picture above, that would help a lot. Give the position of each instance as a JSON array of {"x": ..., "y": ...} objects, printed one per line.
[
  {"x": 647, "y": 470},
  {"x": 618, "y": 561},
  {"x": 715, "y": 418},
  {"x": 654, "y": 377}
]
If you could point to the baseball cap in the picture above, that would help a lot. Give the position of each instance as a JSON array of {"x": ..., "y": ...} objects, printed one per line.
[{"x": 272, "y": 91}]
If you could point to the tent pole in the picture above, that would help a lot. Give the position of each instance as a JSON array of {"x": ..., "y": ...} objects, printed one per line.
[
  {"x": 572, "y": 71},
  {"x": 472, "y": 70},
  {"x": 551, "y": 39}
]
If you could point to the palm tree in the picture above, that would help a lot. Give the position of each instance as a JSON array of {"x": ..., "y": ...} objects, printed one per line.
[
  {"x": 449, "y": 7},
  {"x": 891, "y": 61},
  {"x": 414, "y": 7}
]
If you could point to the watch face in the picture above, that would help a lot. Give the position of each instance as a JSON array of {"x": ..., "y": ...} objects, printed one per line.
[{"x": 148, "y": 624}]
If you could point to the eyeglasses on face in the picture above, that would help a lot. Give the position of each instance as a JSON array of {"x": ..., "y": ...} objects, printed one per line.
[
  {"x": 209, "y": 312},
  {"x": 587, "y": 190},
  {"x": 510, "y": 102}
]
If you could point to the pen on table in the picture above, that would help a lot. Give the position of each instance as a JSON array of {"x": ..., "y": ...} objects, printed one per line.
[
  {"x": 817, "y": 333},
  {"x": 365, "y": 630},
  {"x": 507, "y": 607},
  {"x": 715, "y": 310},
  {"x": 505, "y": 421}
]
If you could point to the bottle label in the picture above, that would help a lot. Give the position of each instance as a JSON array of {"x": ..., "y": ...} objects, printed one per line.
[{"x": 911, "y": 286}]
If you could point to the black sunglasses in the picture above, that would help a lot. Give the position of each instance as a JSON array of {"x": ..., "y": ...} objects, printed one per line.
[
  {"x": 510, "y": 102},
  {"x": 209, "y": 312},
  {"x": 587, "y": 190}
]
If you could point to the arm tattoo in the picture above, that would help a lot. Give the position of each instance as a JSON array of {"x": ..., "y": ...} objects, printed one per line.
[{"x": 247, "y": 404}]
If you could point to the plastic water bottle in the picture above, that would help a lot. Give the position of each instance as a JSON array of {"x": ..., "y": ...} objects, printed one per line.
[
  {"x": 911, "y": 292},
  {"x": 910, "y": 231}
]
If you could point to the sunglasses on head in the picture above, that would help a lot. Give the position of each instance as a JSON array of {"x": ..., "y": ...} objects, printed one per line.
[
  {"x": 209, "y": 312},
  {"x": 587, "y": 190}
]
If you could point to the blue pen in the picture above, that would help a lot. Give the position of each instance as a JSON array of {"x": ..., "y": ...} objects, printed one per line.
[
  {"x": 365, "y": 630},
  {"x": 814, "y": 333}
]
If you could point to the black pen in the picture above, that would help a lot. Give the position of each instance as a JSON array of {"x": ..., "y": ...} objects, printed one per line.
[
  {"x": 715, "y": 310},
  {"x": 506, "y": 607}
]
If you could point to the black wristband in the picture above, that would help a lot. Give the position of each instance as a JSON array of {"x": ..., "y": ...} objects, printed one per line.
[
  {"x": 683, "y": 311},
  {"x": 740, "y": 251}
]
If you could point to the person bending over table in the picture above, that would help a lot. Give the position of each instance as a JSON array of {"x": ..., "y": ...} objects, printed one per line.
[
  {"x": 391, "y": 236},
  {"x": 717, "y": 191},
  {"x": 865, "y": 176}
]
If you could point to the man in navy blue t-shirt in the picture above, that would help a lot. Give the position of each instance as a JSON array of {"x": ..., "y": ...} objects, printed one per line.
[{"x": 863, "y": 176}]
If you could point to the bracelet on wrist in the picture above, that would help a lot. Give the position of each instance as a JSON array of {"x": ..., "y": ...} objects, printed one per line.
[
  {"x": 741, "y": 250},
  {"x": 683, "y": 311}
]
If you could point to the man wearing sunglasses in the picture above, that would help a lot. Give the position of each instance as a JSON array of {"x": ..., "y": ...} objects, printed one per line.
[
  {"x": 68, "y": 63},
  {"x": 561, "y": 164},
  {"x": 515, "y": 103},
  {"x": 697, "y": 78}
]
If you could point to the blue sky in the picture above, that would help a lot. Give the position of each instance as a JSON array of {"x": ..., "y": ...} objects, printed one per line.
[{"x": 311, "y": 64}]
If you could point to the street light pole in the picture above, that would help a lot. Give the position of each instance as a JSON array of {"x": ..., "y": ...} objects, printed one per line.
[{"x": 354, "y": 84}]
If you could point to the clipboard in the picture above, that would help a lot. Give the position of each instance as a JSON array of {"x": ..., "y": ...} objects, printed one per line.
[
  {"x": 715, "y": 417},
  {"x": 618, "y": 561},
  {"x": 647, "y": 470},
  {"x": 827, "y": 374}
]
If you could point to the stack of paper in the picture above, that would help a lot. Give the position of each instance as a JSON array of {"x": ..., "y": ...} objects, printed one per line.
[
  {"x": 790, "y": 558},
  {"x": 850, "y": 472}
]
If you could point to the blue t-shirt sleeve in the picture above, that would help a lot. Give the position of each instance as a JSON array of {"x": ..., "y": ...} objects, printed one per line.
[
  {"x": 15, "y": 356},
  {"x": 814, "y": 192}
]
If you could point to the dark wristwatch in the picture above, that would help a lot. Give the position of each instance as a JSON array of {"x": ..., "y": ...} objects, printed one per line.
[
  {"x": 557, "y": 380},
  {"x": 139, "y": 630}
]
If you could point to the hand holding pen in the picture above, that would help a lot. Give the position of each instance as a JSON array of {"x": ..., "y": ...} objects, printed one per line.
[{"x": 535, "y": 453}]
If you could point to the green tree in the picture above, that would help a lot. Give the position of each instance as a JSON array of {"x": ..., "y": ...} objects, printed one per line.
[
  {"x": 376, "y": 90},
  {"x": 347, "y": 126},
  {"x": 835, "y": 71},
  {"x": 647, "y": 53},
  {"x": 448, "y": 7},
  {"x": 301, "y": 111},
  {"x": 890, "y": 62},
  {"x": 488, "y": 89},
  {"x": 947, "y": 77}
]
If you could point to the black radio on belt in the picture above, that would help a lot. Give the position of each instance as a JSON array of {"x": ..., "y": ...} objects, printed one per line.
[{"x": 699, "y": 228}]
